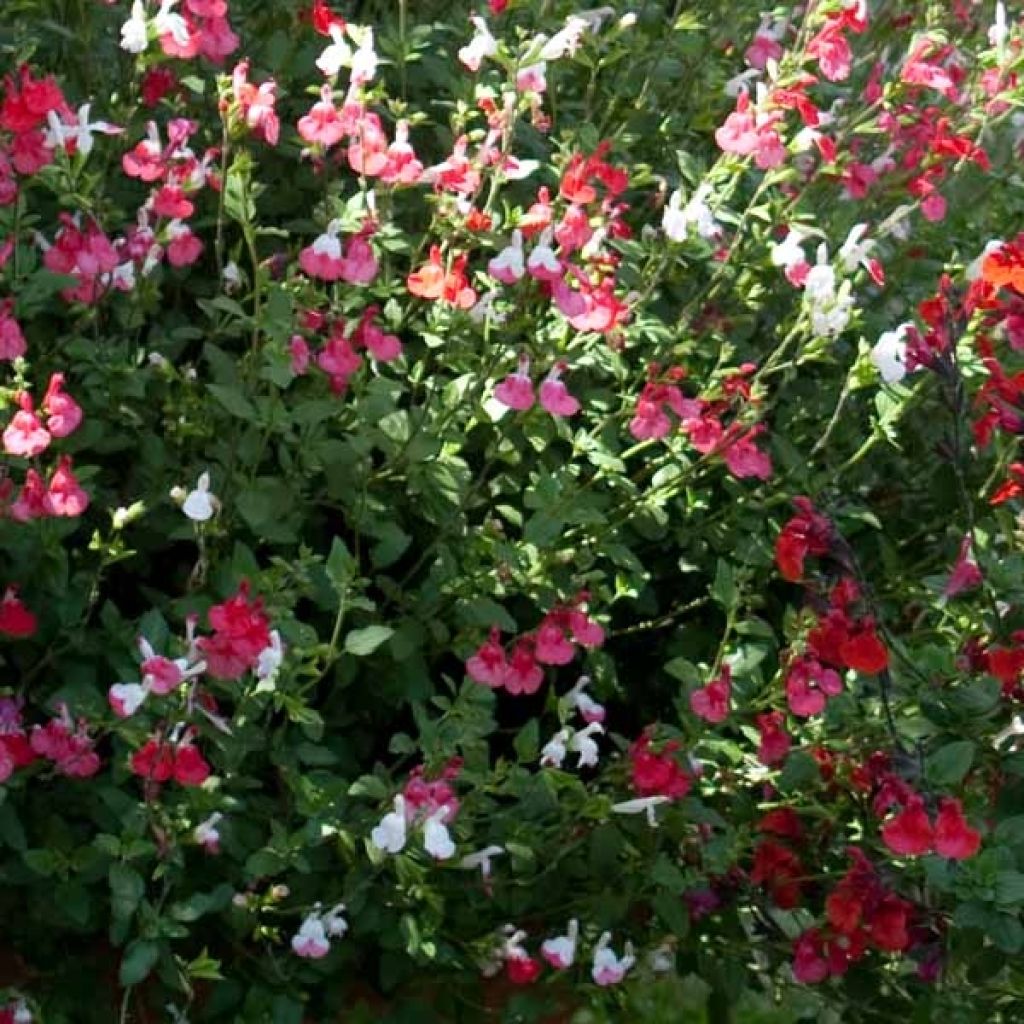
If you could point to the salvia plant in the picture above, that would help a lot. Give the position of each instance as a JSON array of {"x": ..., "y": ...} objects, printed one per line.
[{"x": 511, "y": 511}]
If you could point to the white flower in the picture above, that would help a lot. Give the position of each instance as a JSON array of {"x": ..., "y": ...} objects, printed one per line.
[
  {"x": 81, "y": 132},
  {"x": 677, "y": 220},
  {"x": 609, "y": 969},
  {"x": 999, "y": 31},
  {"x": 436, "y": 840},
  {"x": 310, "y": 940},
  {"x": 337, "y": 55},
  {"x": 200, "y": 505},
  {"x": 560, "y": 952},
  {"x": 554, "y": 751},
  {"x": 206, "y": 832},
  {"x": 127, "y": 698},
  {"x": 565, "y": 41},
  {"x": 854, "y": 251},
  {"x": 269, "y": 660},
  {"x": 820, "y": 286},
  {"x": 364, "y": 60},
  {"x": 582, "y": 743},
  {"x": 334, "y": 922},
  {"x": 789, "y": 252},
  {"x": 642, "y": 805},
  {"x": 134, "y": 30},
  {"x": 579, "y": 699},
  {"x": 482, "y": 45},
  {"x": 231, "y": 276},
  {"x": 169, "y": 23},
  {"x": 481, "y": 859},
  {"x": 889, "y": 355},
  {"x": 390, "y": 834}
]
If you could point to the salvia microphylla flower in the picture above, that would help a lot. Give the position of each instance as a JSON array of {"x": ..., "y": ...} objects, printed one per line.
[
  {"x": 67, "y": 744},
  {"x": 889, "y": 354},
  {"x": 241, "y": 634},
  {"x": 431, "y": 805},
  {"x": 312, "y": 940},
  {"x": 12, "y": 341},
  {"x": 200, "y": 504},
  {"x": 160, "y": 760},
  {"x": 207, "y": 834},
  {"x": 966, "y": 574},
  {"x": 642, "y": 805},
  {"x": 577, "y": 741},
  {"x": 560, "y": 952},
  {"x": 481, "y": 860},
  {"x": 16, "y": 620},
  {"x": 521, "y": 968},
  {"x": 607, "y": 968},
  {"x": 711, "y": 702},
  {"x": 910, "y": 832},
  {"x": 581, "y": 701},
  {"x": 658, "y": 774},
  {"x": 806, "y": 533},
  {"x": 677, "y": 219}
]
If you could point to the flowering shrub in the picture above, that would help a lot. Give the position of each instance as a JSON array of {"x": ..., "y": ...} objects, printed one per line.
[{"x": 511, "y": 511}]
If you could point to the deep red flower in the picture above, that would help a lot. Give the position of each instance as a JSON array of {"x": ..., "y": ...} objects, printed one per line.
[
  {"x": 910, "y": 833},
  {"x": 15, "y": 619},
  {"x": 807, "y": 533},
  {"x": 954, "y": 838},
  {"x": 522, "y": 970}
]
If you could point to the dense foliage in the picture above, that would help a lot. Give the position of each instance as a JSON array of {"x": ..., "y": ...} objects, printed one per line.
[{"x": 511, "y": 513}]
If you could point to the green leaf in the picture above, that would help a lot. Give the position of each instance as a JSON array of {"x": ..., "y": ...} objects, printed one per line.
[
  {"x": 723, "y": 590},
  {"x": 139, "y": 959},
  {"x": 127, "y": 888},
  {"x": 234, "y": 402},
  {"x": 361, "y": 642},
  {"x": 949, "y": 764},
  {"x": 1006, "y": 932},
  {"x": 1009, "y": 888},
  {"x": 527, "y": 741},
  {"x": 341, "y": 566}
]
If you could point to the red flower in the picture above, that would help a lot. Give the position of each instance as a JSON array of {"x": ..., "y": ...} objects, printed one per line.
[
  {"x": 190, "y": 767},
  {"x": 522, "y": 970},
  {"x": 775, "y": 741},
  {"x": 15, "y": 619},
  {"x": 863, "y": 651},
  {"x": 154, "y": 761},
  {"x": 779, "y": 870},
  {"x": 954, "y": 838},
  {"x": 658, "y": 774},
  {"x": 711, "y": 702},
  {"x": 807, "y": 533},
  {"x": 888, "y": 924},
  {"x": 242, "y": 633},
  {"x": 910, "y": 833}
]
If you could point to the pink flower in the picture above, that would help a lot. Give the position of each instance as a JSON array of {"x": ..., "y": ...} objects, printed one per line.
[
  {"x": 66, "y": 495},
  {"x": 831, "y": 48},
  {"x": 516, "y": 390},
  {"x": 25, "y": 435},
  {"x": 551, "y": 645},
  {"x": 34, "y": 500},
  {"x": 745, "y": 459},
  {"x": 339, "y": 360},
  {"x": 359, "y": 265},
  {"x": 323, "y": 259},
  {"x": 554, "y": 395},
  {"x": 63, "y": 413},
  {"x": 523, "y": 675},
  {"x": 508, "y": 266},
  {"x": 184, "y": 248},
  {"x": 711, "y": 702},
  {"x": 241, "y": 634},
  {"x": 298, "y": 349},
  {"x": 775, "y": 741},
  {"x": 12, "y": 341},
  {"x": 488, "y": 665},
  {"x": 965, "y": 575},
  {"x": 808, "y": 684},
  {"x": 324, "y": 125}
]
